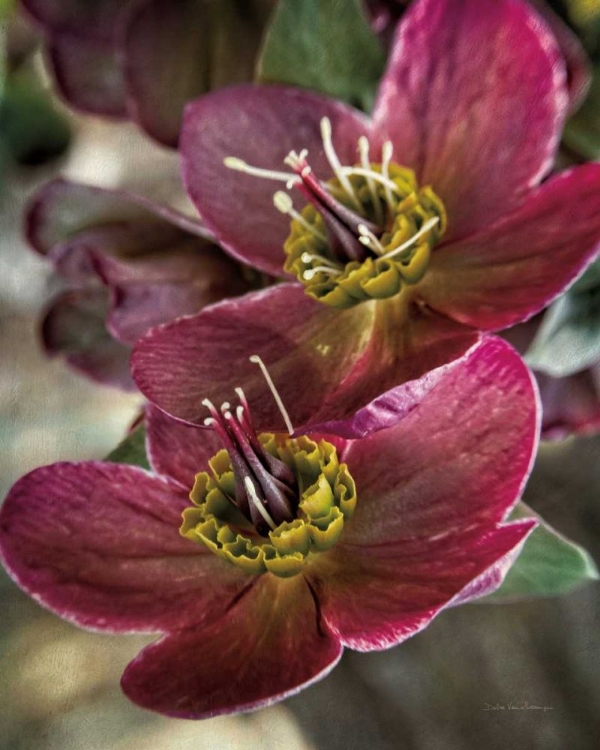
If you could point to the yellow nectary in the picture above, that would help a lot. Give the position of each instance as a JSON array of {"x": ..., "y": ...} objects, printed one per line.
[
  {"x": 327, "y": 497},
  {"x": 377, "y": 277}
]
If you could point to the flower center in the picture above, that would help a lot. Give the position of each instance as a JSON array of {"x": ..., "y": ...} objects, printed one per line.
[
  {"x": 365, "y": 233},
  {"x": 270, "y": 500}
]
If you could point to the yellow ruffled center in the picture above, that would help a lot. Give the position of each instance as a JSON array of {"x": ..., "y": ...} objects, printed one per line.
[
  {"x": 326, "y": 500},
  {"x": 410, "y": 220}
]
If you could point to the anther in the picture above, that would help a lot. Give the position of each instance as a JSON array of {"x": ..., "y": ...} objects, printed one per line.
[
  {"x": 370, "y": 240},
  {"x": 285, "y": 205},
  {"x": 427, "y": 226},
  {"x": 309, "y": 257},
  {"x": 334, "y": 162},
  {"x": 239, "y": 165},
  {"x": 310, "y": 273},
  {"x": 286, "y": 417},
  {"x": 253, "y": 496}
]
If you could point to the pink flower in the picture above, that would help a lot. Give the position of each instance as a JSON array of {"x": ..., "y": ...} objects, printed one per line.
[
  {"x": 441, "y": 224},
  {"x": 417, "y": 527},
  {"x": 130, "y": 264},
  {"x": 146, "y": 59}
]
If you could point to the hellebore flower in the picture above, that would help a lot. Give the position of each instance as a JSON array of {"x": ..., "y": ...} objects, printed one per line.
[
  {"x": 414, "y": 227},
  {"x": 131, "y": 265},
  {"x": 292, "y": 547},
  {"x": 145, "y": 60}
]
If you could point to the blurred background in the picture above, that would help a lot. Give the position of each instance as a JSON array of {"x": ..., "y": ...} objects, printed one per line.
[{"x": 525, "y": 675}]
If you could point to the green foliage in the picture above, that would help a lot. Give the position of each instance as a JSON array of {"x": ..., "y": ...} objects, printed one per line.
[
  {"x": 132, "y": 450},
  {"x": 326, "y": 45},
  {"x": 568, "y": 340},
  {"x": 549, "y": 564}
]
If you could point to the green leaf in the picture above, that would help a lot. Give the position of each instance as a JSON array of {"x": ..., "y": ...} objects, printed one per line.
[
  {"x": 568, "y": 340},
  {"x": 132, "y": 450},
  {"x": 32, "y": 131},
  {"x": 326, "y": 45},
  {"x": 548, "y": 565}
]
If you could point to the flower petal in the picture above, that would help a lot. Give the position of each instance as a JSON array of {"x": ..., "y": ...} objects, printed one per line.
[
  {"x": 99, "y": 544},
  {"x": 178, "y": 450},
  {"x": 260, "y": 125},
  {"x": 88, "y": 74},
  {"x": 474, "y": 99},
  {"x": 160, "y": 40},
  {"x": 508, "y": 272},
  {"x": 376, "y": 596},
  {"x": 461, "y": 457},
  {"x": 61, "y": 209},
  {"x": 346, "y": 357},
  {"x": 75, "y": 328},
  {"x": 96, "y": 20},
  {"x": 270, "y": 645},
  {"x": 576, "y": 59}
]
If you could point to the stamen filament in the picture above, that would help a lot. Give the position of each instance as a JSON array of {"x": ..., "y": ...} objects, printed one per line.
[
  {"x": 405, "y": 245},
  {"x": 284, "y": 204},
  {"x": 310, "y": 273},
  {"x": 370, "y": 240},
  {"x": 309, "y": 257},
  {"x": 239, "y": 165},
  {"x": 252, "y": 494},
  {"x": 370, "y": 174},
  {"x": 387, "y": 151},
  {"x": 363, "y": 148},
  {"x": 334, "y": 162},
  {"x": 286, "y": 417}
]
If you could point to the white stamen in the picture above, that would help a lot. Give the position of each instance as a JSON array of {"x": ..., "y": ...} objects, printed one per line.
[
  {"x": 309, "y": 257},
  {"x": 208, "y": 403},
  {"x": 209, "y": 422},
  {"x": 239, "y": 165},
  {"x": 369, "y": 173},
  {"x": 405, "y": 245},
  {"x": 334, "y": 162},
  {"x": 286, "y": 417},
  {"x": 363, "y": 149},
  {"x": 240, "y": 393},
  {"x": 284, "y": 203},
  {"x": 310, "y": 273},
  {"x": 294, "y": 160},
  {"x": 251, "y": 490},
  {"x": 368, "y": 238},
  {"x": 225, "y": 406},
  {"x": 239, "y": 413},
  {"x": 386, "y": 156}
]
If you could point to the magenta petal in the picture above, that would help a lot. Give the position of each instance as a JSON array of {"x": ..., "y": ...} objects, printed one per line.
[
  {"x": 62, "y": 209},
  {"x": 88, "y": 74},
  {"x": 74, "y": 327},
  {"x": 474, "y": 99},
  {"x": 178, "y": 450},
  {"x": 99, "y": 544},
  {"x": 159, "y": 40},
  {"x": 326, "y": 363},
  {"x": 376, "y": 596},
  {"x": 269, "y": 646},
  {"x": 260, "y": 125},
  {"x": 511, "y": 270},
  {"x": 93, "y": 19},
  {"x": 576, "y": 59},
  {"x": 462, "y": 456}
]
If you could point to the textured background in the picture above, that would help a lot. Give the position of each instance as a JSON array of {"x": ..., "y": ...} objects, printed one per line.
[{"x": 59, "y": 685}]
